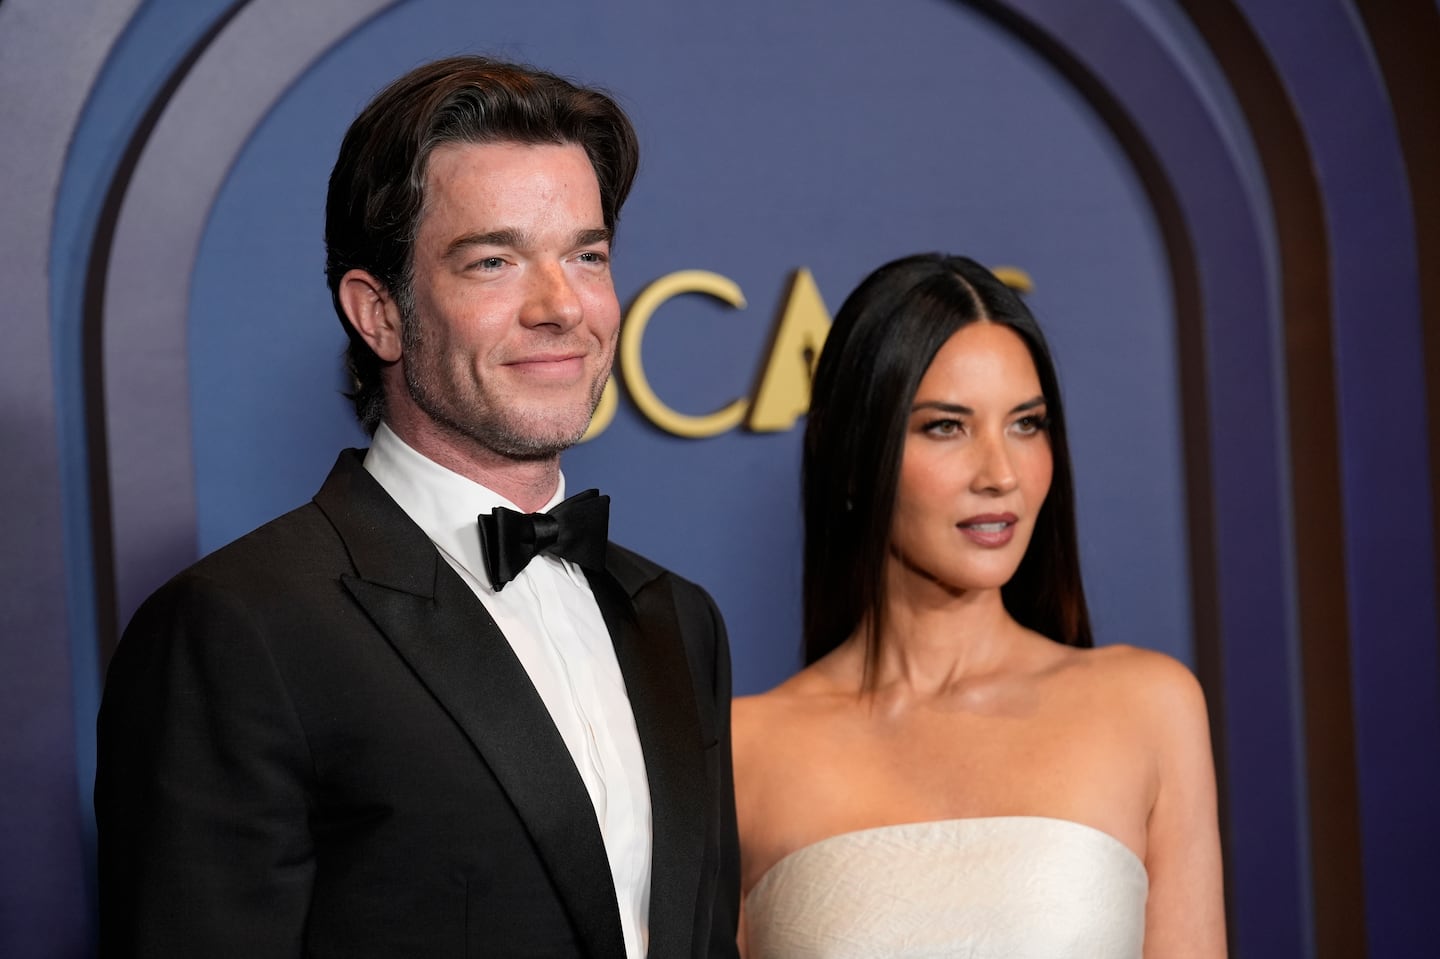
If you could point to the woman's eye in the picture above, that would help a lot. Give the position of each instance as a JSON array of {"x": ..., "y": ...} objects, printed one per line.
[
  {"x": 1032, "y": 424},
  {"x": 944, "y": 427}
]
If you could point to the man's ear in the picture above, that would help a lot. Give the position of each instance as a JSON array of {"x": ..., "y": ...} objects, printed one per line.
[{"x": 373, "y": 313}]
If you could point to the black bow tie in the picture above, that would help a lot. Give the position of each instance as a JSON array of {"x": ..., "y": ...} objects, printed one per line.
[{"x": 576, "y": 529}]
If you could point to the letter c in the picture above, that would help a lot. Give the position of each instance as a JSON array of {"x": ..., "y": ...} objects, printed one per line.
[{"x": 632, "y": 333}]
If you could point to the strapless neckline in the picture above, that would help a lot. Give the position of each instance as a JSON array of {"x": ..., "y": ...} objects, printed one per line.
[
  {"x": 997, "y": 887},
  {"x": 961, "y": 822}
]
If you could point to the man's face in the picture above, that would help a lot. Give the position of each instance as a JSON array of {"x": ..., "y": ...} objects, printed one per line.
[{"x": 514, "y": 318}]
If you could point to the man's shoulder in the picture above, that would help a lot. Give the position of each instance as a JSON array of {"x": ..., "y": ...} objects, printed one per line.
[
  {"x": 635, "y": 572},
  {"x": 692, "y": 602},
  {"x": 303, "y": 537},
  {"x": 292, "y": 535},
  {"x": 284, "y": 553},
  {"x": 275, "y": 558},
  {"x": 630, "y": 567}
]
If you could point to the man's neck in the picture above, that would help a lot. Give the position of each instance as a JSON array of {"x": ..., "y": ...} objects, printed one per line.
[{"x": 529, "y": 484}]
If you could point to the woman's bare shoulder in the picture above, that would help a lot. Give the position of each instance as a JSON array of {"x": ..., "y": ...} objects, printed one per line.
[
  {"x": 1152, "y": 675},
  {"x": 803, "y": 695},
  {"x": 1151, "y": 690},
  {"x": 1164, "y": 705},
  {"x": 1138, "y": 669}
]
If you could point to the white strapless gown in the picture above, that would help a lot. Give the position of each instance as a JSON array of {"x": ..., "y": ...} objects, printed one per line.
[{"x": 1012, "y": 887}]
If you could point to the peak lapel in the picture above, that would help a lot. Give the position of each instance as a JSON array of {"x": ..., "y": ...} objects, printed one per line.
[
  {"x": 651, "y": 651},
  {"x": 446, "y": 636}
]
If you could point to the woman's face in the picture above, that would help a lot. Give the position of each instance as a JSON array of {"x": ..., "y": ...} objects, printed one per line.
[{"x": 976, "y": 465}]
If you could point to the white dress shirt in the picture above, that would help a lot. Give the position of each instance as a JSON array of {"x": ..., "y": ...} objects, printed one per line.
[{"x": 551, "y": 620}]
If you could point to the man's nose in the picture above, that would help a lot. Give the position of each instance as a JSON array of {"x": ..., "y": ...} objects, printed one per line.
[{"x": 551, "y": 298}]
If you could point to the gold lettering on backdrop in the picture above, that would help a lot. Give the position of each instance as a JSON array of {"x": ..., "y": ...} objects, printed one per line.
[
  {"x": 632, "y": 335},
  {"x": 784, "y": 393},
  {"x": 1015, "y": 278}
]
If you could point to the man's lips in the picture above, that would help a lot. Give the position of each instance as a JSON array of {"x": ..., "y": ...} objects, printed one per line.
[
  {"x": 548, "y": 364},
  {"x": 990, "y": 530}
]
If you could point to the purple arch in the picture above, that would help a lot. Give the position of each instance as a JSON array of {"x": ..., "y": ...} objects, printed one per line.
[
  {"x": 1224, "y": 219},
  {"x": 249, "y": 64},
  {"x": 47, "y": 68},
  {"x": 1387, "y": 521}
]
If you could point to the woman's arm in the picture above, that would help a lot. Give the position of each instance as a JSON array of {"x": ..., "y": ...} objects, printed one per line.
[{"x": 1185, "y": 914}]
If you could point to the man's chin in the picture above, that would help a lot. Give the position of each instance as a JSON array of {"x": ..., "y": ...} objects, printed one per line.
[
  {"x": 531, "y": 450},
  {"x": 519, "y": 431},
  {"x": 534, "y": 440}
]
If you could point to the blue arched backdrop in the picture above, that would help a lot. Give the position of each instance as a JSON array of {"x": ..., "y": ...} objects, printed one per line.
[{"x": 174, "y": 380}]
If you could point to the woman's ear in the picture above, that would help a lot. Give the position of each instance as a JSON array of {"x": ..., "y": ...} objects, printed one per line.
[{"x": 372, "y": 312}]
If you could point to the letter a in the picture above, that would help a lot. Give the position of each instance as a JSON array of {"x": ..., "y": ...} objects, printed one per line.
[{"x": 784, "y": 392}]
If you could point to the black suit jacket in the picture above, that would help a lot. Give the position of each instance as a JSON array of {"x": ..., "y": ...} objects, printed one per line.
[{"x": 316, "y": 742}]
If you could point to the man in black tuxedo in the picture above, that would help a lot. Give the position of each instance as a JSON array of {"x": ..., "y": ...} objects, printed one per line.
[{"x": 378, "y": 726}]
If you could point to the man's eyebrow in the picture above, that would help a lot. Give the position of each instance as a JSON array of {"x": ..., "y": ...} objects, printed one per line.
[
  {"x": 516, "y": 239},
  {"x": 507, "y": 236},
  {"x": 592, "y": 237}
]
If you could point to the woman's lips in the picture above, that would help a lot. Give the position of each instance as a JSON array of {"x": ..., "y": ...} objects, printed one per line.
[{"x": 990, "y": 530}]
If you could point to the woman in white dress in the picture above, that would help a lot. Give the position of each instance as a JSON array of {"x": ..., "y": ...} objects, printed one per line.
[{"x": 956, "y": 772}]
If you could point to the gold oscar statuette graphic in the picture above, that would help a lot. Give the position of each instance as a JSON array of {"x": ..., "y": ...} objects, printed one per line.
[{"x": 784, "y": 392}]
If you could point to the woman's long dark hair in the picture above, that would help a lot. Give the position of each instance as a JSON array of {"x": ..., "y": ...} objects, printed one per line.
[{"x": 882, "y": 342}]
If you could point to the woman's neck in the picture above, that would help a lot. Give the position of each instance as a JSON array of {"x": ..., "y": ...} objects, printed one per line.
[
  {"x": 929, "y": 645},
  {"x": 936, "y": 641}
]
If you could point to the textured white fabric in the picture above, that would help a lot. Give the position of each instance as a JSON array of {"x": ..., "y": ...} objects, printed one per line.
[
  {"x": 1014, "y": 887},
  {"x": 552, "y": 622}
]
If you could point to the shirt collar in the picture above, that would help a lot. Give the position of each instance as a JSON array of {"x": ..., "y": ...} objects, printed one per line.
[{"x": 441, "y": 502}]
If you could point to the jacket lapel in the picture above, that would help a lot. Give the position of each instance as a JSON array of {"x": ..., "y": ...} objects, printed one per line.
[
  {"x": 448, "y": 639},
  {"x": 640, "y": 613}
]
